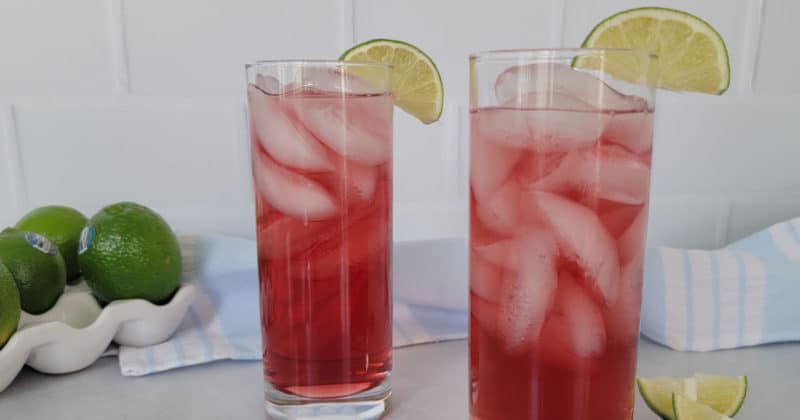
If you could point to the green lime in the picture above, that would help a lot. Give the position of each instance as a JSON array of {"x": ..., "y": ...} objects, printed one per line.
[
  {"x": 62, "y": 226},
  {"x": 9, "y": 305},
  {"x": 692, "y": 55},
  {"x": 37, "y": 268},
  {"x": 657, "y": 394},
  {"x": 724, "y": 394},
  {"x": 686, "y": 409},
  {"x": 127, "y": 251},
  {"x": 416, "y": 84}
]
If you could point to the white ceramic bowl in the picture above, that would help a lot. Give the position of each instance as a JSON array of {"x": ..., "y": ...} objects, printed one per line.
[{"x": 76, "y": 331}]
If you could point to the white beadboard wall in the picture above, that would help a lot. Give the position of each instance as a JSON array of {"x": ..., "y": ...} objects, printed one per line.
[{"x": 107, "y": 100}]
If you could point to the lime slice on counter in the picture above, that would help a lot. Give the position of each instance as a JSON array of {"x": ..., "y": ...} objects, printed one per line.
[
  {"x": 725, "y": 394},
  {"x": 657, "y": 394},
  {"x": 686, "y": 409},
  {"x": 416, "y": 84},
  {"x": 691, "y": 54}
]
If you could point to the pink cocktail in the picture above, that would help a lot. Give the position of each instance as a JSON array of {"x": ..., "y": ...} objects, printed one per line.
[
  {"x": 559, "y": 189},
  {"x": 322, "y": 170}
]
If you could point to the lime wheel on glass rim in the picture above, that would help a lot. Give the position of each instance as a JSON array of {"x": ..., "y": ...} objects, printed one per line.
[
  {"x": 416, "y": 84},
  {"x": 691, "y": 54}
]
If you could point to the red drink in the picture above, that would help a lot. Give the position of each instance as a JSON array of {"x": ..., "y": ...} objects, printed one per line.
[
  {"x": 323, "y": 182},
  {"x": 559, "y": 191}
]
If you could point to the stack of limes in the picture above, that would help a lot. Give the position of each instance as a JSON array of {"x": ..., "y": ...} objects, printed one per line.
[{"x": 125, "y": 251}]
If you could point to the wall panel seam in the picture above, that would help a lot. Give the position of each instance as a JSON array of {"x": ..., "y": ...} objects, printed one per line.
[
  {"x": 558, "y": 12},
  {"x": 347, "y": 23},
  {"x": 751, "y": 46},
  {"x": 118, "y": 53},
  {"x": 13, "y": 152}
]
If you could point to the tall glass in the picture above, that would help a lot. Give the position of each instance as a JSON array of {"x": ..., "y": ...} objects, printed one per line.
[
  {"x": 322, "y": 167},
  {"x": 559, "y": 183}
]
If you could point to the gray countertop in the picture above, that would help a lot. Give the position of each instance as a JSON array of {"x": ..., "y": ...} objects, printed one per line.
[{"x": 430, "y": 382}]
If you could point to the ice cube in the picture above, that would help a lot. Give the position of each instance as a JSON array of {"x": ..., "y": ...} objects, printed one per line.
[
  {"x": 503, "y": 253},
  {"x": 561, "y": 131},
  {"x": 535, "y": 166},
  {"x": 562, "y": 79},
  {"x": 547, "y": 100},
  {"x": 333, "y": 80},
  {"x": 360, "y": 181},
  {"x": 540, "y": 130},
  {"x": 585, "y": 331},
  {"x": 581, "y": 237},
  {"x": 352, "y": 183},
  {"x": 268, "y": 84},
  {"x": 289, "y": 192},
  {"x": 485, "y": 278},
  {"x": 490, "y": 165},
  {"x": 631, "y": 242},
  {"x": 480, "y": 235},
  {"x": 508, "y": 127},
  {"x": 603, "y": 172},
  {"x": 529, "y": 291},
  {"x": 622, "y": 319},
  {"x": 500, "y": 211},
  {"x": 287, "y": 141},
  {"x": 359, "y": 129},
  {"x": 632, "y": 130},
  {"x": 616, "y": 217},
  {"x": 486, "y": 313}
]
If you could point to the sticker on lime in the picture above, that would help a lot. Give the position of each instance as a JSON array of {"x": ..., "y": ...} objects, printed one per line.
[
  {"x": 40, "y": 243},
  {"x": 87, "y": 237}
]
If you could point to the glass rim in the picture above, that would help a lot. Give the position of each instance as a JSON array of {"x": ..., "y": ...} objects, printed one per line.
[
  {"x": 316, "y": 63},
  {"x": 549, "y": 53}
]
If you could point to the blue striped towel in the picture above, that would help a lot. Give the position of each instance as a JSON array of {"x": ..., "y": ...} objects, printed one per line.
[
  {"x": 224, "y": 324},
  {"x": 744, "y": 294}
]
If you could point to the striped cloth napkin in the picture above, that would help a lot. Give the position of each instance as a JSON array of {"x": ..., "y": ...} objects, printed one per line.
[
  {"x": 744, "y": 294},
  {"x": 223, "y": 323}
]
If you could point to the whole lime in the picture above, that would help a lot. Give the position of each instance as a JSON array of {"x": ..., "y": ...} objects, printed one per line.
[
  {"x": 9, "y": 305},
  {"x": 128, "y": 251},
  {"x": 37, "y": 268},
  {"x": 63, "y": 226}
]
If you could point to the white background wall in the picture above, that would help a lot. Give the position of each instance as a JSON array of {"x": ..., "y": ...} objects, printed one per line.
[{"x": 108, "y": 100}]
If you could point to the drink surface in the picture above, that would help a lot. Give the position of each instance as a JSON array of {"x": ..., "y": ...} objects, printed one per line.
[
  {"x": 558, "y": 213},
  {"x": 322, "y": 175}
]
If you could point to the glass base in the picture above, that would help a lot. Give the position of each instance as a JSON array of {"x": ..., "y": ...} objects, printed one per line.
[{"x": 365, "y": 405}]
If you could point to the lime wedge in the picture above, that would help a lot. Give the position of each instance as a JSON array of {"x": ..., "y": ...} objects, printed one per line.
[
  {"x": 722, "y": 393},
  {"x": 691, "y": 54},
  {"x": 416, "y": 84},
  {"x": 725, "y": 394},
  {"x": 686, "y": 409},
  {"x": 657, "y": 394}
]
